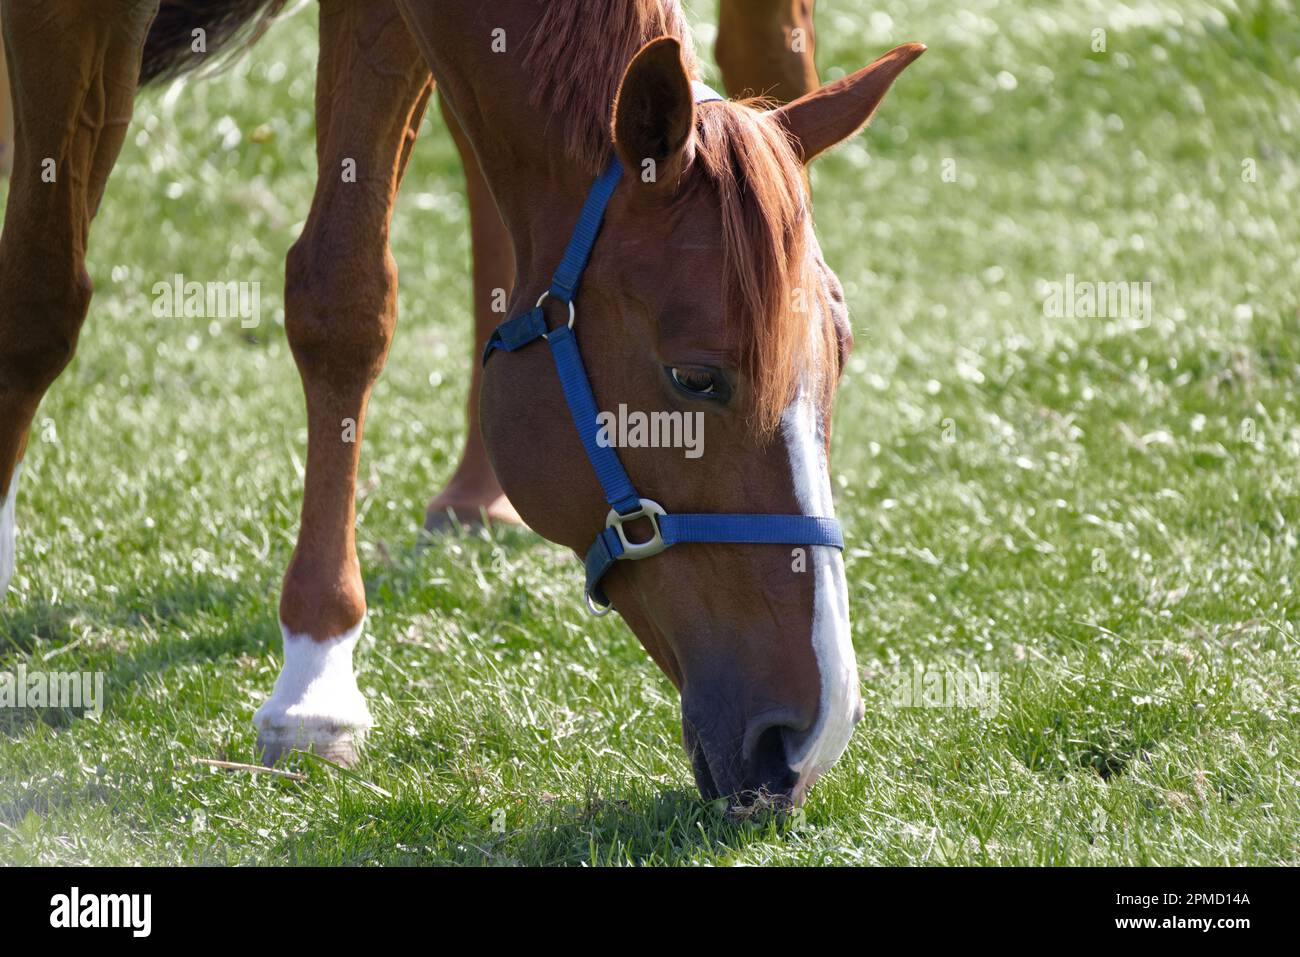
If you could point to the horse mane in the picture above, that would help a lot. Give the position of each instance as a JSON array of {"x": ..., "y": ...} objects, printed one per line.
[{"x": 577, "y": 53}]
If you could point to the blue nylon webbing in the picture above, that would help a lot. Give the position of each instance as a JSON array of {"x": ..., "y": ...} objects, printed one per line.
[
  {"x": 564, "y": 284},
  {"x": 752, "y": 529},
  {"x": 619, "y": 492},
  {"x": 727, "y": 529},
  {"x": 517, "y": 332},
  {"x": 705, "y": 93}
]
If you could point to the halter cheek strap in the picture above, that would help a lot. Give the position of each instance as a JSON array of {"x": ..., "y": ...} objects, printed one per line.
[{"x": 626, "y": 505}]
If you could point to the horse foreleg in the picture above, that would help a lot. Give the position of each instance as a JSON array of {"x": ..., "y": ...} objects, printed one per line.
[
  {"x": 765, "y": 48},
  {"x": 473, "y": 491},
  {"x": 73, "y": 68},
  {"x": 340, "y": 313}
]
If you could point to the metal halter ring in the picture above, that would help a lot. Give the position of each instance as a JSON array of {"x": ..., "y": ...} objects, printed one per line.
[
  {"x": 573, "y": 313},
  {"x": 648, "y": 509},
  {"x": 596, "y": 611}
]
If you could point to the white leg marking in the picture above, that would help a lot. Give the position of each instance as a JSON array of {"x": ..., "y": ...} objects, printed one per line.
[
  {"x": 316, "y": 701},
  {"x": 8, "y": 530},
  {"x": 841, "y": 699}
]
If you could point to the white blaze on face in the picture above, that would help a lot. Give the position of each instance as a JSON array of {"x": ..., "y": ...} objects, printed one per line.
[
  {"x": 841, "y": 701},
  {"x": 8, "y": 530},
  {"x": 316, "y": 698}
]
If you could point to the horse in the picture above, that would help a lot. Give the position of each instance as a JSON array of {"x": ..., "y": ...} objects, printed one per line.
[{"x": 701, "y": 291}]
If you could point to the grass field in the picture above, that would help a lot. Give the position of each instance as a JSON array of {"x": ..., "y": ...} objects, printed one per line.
[{"x": 1101, "y": 511}]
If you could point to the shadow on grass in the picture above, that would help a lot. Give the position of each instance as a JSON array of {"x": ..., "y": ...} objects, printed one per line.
[
  {"x": 51, "y": 626},
  {"x": 200, "y": 621},
  {"x": 667, "y": 827}
]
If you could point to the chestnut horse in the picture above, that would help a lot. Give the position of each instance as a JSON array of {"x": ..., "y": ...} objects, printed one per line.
[{"x": 706, "y": 293}]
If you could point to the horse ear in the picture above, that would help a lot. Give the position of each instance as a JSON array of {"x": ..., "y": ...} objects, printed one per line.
[
  {"x": 832, "y": 114},
  {"x": 654, "y": 114}
]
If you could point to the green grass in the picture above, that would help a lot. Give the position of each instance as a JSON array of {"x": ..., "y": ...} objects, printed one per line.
[{"x": 1102, "y": 511}]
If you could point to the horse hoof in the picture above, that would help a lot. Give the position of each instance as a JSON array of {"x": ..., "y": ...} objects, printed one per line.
[
  {"x": 316, "y": 704},
  {"x": 342, "y": 746},
  {"x": 438, "y": 523},
  {"x": 470, "y": 514}
]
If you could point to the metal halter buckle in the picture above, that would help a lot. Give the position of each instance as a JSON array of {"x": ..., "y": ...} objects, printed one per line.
[
  {"x": 573, "y": 313},
  {"x": 648, "y": 509}
]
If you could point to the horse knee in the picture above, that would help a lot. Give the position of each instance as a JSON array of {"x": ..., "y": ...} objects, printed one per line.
[{"x": 340, "y": 311}]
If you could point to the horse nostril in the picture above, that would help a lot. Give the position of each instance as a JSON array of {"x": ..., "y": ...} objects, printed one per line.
[
  {"x": 767, "y": 768},
  {"x": 767, "y": 763}
]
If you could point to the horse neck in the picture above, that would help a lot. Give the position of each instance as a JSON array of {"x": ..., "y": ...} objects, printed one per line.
[{"x": 520, "y": 146}]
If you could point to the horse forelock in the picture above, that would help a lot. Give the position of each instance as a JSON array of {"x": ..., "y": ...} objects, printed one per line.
[
  {"x": 577, "y": 53},
  {"x": 776, "y": 299}
]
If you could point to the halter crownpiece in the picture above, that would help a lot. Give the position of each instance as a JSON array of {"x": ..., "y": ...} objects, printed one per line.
[
  {"x": 612, "y": 544},
  {"x": 704, "y": 93}
]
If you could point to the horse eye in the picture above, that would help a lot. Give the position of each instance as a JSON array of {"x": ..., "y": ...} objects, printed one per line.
[{"x": 697, "y": 382}]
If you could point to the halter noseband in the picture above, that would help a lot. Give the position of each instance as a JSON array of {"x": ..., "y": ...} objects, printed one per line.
[{"x": 612, "y": 544}]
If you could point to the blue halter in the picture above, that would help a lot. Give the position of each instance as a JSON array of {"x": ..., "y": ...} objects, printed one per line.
[{"x": 612, "y": 544}]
